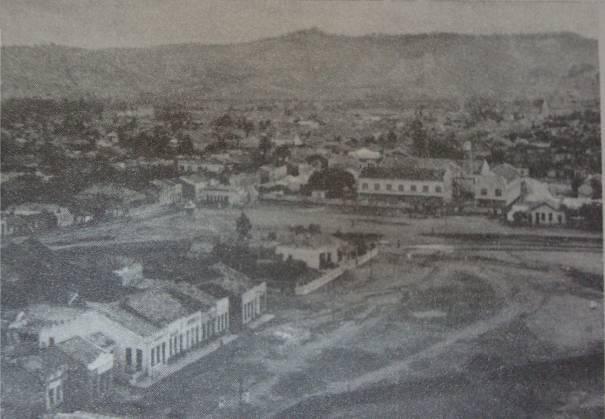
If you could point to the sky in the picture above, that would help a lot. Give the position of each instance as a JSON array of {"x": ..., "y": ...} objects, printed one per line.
[{"x": 135, "y": 23}]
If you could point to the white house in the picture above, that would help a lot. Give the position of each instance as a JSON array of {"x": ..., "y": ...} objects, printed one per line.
[
  {"x": 63, "y": 215},
  {"x": 366, "y": 157},
  {"x": 150, "y": 328},
  {"x": 490, "y": 190},
  {"x": 318, "y": 251},
  {"x": 247, "y": 298},
  {"x": 193, "y": 185},
  {"x": 530, "y": 201},
  {"x": 167, "y": 191}
]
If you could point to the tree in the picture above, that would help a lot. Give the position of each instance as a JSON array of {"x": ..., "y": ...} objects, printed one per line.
[
  {"x": 281, "y": 154},
  {"x": 391, "y": 137},
  {"x": 248, "y": 127},
  {"x": 335, "y": 181},
  {"x": 419, "y": 139},
  {"x": 593, "y": 216},
  {"x": 186, "y": 145},
  {"x": 576, "y": 182},
  {"x": 243, "y": 226}
]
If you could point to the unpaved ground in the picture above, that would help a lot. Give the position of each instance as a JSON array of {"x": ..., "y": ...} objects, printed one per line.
[
  {"x": 452, "y": 318},
  {"x": 172, "y": 224},
  {"x": 490, "y": 319}
]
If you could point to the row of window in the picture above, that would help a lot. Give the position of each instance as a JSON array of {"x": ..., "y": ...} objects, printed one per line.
[
  {"x": 497, "y": 192},
  {"x": 541, "y": 217},
  {"x": 192, "y": 337},
  {"x": 401, "y": 188},
  {"x": 55, "y": 396},
  {"x": 248, "y": 311},
  {"x": 216, "y": 198},
  {"x": 102, "y": 383}
]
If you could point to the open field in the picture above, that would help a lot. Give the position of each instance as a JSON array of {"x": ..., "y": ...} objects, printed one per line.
[
  {"x": 177, "y": 225},
  {"x": 403, "y": 337}
]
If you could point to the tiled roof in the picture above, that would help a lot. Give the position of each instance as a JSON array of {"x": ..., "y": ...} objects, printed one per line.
[
  {"x": 232, "y": 280},
  {"x": 144, "y": 313},
  {"x": 80, "y": 350},
  {"x": 160, "y": 307}
]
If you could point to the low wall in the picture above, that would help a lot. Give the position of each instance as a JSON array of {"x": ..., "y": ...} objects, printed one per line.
[{"x": 335, "y": 273}]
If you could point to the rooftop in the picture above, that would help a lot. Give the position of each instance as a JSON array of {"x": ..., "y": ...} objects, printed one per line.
[
  {"x": 146, "y": 312},
  {"x": 404, "y": 173},
  {"x": 37, "y": 316},
  {"x": 163, "y": 183},
  {"x": 232, "y": 280},
  {"x": 507, "y": 171},
  {"x": 194, "y": 179},
  {"x": 81, "y": 350}
]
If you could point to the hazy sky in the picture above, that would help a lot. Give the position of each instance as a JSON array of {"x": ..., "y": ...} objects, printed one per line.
[{"x": 111, "y": 23}]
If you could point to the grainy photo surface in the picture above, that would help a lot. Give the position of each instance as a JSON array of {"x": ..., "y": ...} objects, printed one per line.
[{"x": 300, "y": 209}]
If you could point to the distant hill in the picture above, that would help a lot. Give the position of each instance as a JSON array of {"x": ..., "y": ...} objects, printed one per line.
[{"x": 311, "y": 64}]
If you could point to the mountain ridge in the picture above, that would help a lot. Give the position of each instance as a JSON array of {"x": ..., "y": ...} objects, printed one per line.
[{"x": 311, "y": 64}]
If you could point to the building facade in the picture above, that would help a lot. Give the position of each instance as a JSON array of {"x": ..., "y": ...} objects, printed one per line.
[{"x": 404, "y": 184}]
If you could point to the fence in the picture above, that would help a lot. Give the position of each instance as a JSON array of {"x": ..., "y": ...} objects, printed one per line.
[{"x": 334, "y": 273}]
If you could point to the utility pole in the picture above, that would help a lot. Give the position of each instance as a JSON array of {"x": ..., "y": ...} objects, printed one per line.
[{"x": 241, "y": 395}]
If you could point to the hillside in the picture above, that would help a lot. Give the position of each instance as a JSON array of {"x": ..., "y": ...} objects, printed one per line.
[{"x": 313, "y": 64}]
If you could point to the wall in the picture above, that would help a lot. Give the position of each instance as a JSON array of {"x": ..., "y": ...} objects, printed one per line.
[
  {"x": 490, "y": 184},
  {"x": 334, "y": 273},
  {"x": 254, "y": 296},
  {"x": 547, "y": 212},
  {"x": 308, "y": 255}
]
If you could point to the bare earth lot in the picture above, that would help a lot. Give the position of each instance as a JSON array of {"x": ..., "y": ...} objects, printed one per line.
[{"x": 478, "y": 332}]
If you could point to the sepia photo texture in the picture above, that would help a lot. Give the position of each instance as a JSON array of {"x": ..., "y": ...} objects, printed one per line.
[{"x": 301, "y": 209}]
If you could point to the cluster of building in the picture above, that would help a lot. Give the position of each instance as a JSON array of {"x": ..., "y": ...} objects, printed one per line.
[
  {"x": 440, "y": 183},
  {"x": 70, "y": 357},
  {"x": 222, "y": 167}
]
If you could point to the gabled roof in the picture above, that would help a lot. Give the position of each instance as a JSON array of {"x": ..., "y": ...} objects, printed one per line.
[
  {"x": 507, "y": 171},
  {"x": 537, "y": 205},
  {"x": 536, "y": 192},
  {"x": 365, "y": 154},
  {"x": 81, "y": 350}
]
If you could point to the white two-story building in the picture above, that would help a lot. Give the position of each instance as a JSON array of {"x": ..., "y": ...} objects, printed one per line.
[
  {"x": 404, "y": 184},
  {"x": 150, "y": 328}
]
